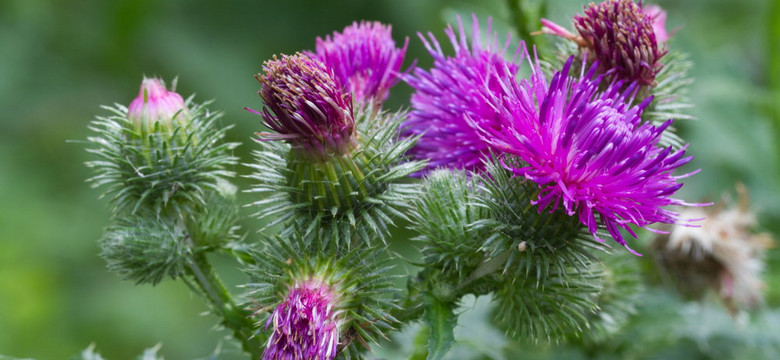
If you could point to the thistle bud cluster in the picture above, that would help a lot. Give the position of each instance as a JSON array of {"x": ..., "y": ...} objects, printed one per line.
[
  {"x": 165, "y": 169},
  {"x": 341, "y": 163}
]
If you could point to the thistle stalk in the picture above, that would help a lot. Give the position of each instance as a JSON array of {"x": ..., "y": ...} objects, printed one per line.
[{"x": 235, "y": 318}]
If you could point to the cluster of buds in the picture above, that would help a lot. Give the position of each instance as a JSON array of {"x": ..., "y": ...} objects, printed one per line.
[
  {"x": 340, "y": 165},
  {"x": 333, "y": 168},
  {"x": 165, "y": 168}
]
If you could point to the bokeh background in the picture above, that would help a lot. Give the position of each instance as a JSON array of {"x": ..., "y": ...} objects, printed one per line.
[{"x": 60, "y": 60}]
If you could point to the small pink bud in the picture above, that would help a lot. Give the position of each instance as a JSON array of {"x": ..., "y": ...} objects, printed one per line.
[
  {"x": 659, "y": 21},
  {"x": 155, "y": 104}
]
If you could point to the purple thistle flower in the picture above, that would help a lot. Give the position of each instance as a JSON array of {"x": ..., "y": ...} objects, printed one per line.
[
  {"x": 452, "y": 91},
  {"x": 589, "y": 150},
  {"x": 155, "y": 104},
  {"x": 364, "y": 59},
  {"x": 305, "y": 106},
  {"x": 305, "y": 325},
  {"x": 622, "y": 37}
]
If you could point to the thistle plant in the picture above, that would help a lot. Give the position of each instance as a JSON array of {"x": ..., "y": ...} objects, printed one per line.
[{"x": 509, "y": 171}]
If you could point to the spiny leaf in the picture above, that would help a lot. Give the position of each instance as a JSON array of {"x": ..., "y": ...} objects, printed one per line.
[{"x": 441, "y": 320}]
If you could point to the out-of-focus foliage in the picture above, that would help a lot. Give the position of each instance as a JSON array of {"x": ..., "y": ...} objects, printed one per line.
[{"x": 61, "y": 59}]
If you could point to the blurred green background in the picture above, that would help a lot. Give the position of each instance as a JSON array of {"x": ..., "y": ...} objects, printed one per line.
[{"x": 60, "y": 60}]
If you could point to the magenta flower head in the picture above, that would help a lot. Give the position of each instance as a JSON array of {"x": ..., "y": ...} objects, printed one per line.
[
  {"x": 155, "y": 104},
  {"x": 589, "y": 151},
  {"x": 452, "y": 91},
  {"x": 305, "y": 106},
  {"x": 364, "y": 59},
  {"x": 621, "y": 36},
  {"x": 305, "y": 324}
]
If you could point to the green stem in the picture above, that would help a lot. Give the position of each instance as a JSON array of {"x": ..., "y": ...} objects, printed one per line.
[
  {"x": 236, "y": 319},
  {"x": 520, "y": 20},
  {"x": 484, "y": 269},
  {"x": 412, "y": 306}
]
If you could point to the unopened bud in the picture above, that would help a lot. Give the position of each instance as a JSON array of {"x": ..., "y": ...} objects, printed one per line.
[{"x": 156, "y": 105}]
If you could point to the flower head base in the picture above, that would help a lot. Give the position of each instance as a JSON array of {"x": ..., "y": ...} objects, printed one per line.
[
  {"x": 589, "y": 151},
  {"x": 305, "y": 106},
  {"x": 305, "y": 324},
  {"x": 364, "y": 59},
  {"x": 723, "y": 253},
  {"x": 156, "y": 105},
  {"x": 622, "y": 37},
  {"x": 454, "y": 90}
]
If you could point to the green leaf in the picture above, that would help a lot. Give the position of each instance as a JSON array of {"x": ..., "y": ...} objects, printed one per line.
[{"x": 441, "y": 320}]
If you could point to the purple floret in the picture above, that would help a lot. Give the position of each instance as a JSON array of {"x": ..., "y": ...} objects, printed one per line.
[
  {"x": 305, "y": 325},
  {"x": 455, "y": 89},
  {"x": 364, "y": 59}
]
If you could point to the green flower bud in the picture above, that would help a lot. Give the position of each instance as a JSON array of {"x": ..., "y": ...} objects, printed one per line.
[
  {"x": 352, "y": 196},
  {"x": 161, "y": 154},
  {"x": 145, "y": 249}
]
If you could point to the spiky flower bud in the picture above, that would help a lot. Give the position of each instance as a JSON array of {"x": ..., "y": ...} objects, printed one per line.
[
  {"x": 305, "y": 106},
  {"x": 145, "y": 250},
  {"x": 621, "y": 37},
  {"x": 321, "y": 305},
  {"x": 589, "y": 151},
  {"x": 364, "y": 59},
  {"x": 452, "y": 95},
  {"x": 723, "y": 254},
  {"x": 305, "y": 324},
  {"x": 156, "y": 105},
  {"x": 160, "y": 154},
  {"x": 329, "y": 174},
  {"x": 444, "y": 216}
]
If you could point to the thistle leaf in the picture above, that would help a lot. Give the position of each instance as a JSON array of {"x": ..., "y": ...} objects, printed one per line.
[{"x": 441, "y": 321}]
